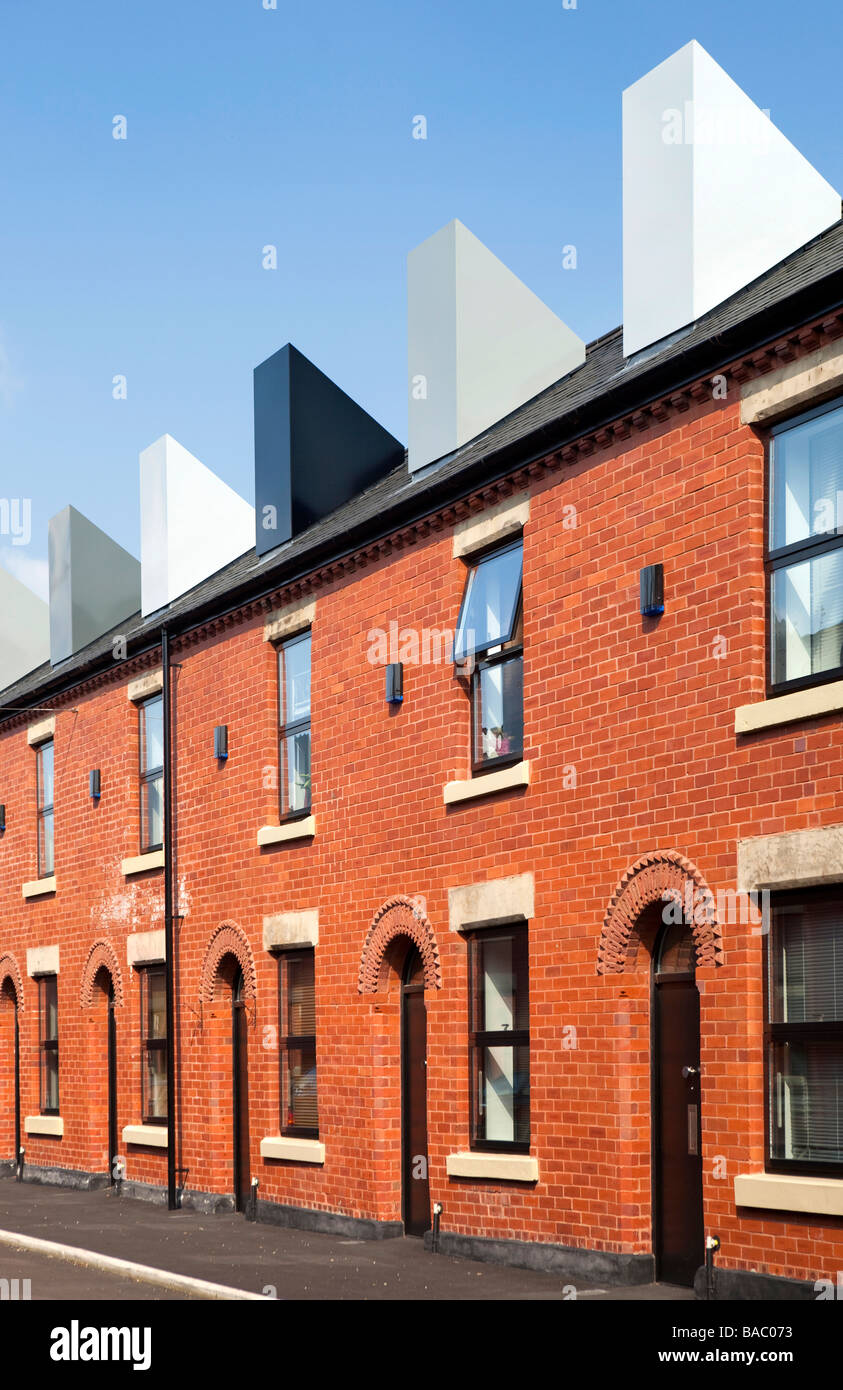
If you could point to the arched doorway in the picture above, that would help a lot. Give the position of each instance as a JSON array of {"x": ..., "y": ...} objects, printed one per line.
[
  {"x": 661, "y": 925},
  {"x": 240, "y": 1091},
  {"x": 104, "y": 1062},
  {"x": 10, "y": 1034},
  {"x": 228, "y": 1000},
  {"x": 399, "y": 963},
  {"x": 677, "y": 1128},
  {"x": 415, "y": 1186}
]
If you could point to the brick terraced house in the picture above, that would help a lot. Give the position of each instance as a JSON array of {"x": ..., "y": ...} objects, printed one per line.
[{"x": 463, "y": 829}]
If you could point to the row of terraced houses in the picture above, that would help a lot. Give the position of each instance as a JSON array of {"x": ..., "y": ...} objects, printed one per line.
[{"x": 457, "y": 836}]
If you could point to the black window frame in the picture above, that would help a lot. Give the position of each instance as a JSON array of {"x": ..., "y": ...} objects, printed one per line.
[
  {"x": 512, "y": 649},
  {"x": 783, "y": 557},
  {"x": 508, "y": 652},
  {"x": 151, "y": 1044},
  {"x": 294, "y": 726},
  {"x": 149, "y": 775},
  {"x": 480, "y": 1038},
  {"x": 45, "y": 809},
  {"x": 47, "y": 1044},
  {"x": 792, "y": 1032},
  {"x": 288, "y": 1042}
]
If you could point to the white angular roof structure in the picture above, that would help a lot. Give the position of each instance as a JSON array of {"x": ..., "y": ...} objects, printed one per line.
[
  {"x": 192, "y": 523},
  {"x": 24, "y": 630},
  {"x": 713, "y": 195},
  {"x": 480, "y": 343},
  {"x": 94, "y": 583}
]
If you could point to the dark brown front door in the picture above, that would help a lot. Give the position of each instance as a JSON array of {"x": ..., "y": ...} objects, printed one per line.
[
  {"x": 679, "y": 1238},
  {"x": 112, "y": 1087},
  {"x": 416, "y": 1188},
  {"x": 240, "y": 1068},
  {"x": 17, "y": 1092}
]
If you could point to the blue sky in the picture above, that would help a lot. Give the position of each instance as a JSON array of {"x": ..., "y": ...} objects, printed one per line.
[{"x": 249, "y": 126}]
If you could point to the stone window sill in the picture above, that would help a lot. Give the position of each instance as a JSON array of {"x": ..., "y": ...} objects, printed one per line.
[
  {"x": 801, "y": 384},
  {"x": 146, "y": 948},
  {"x": 39, "y": 887},
  {"x": 487, "y": 784},
  {"x": 153, "y": 1136},
  {"x": 496, "y": 524},
  {"x": 44, "y": 1124},
  {"x": 788, "y": 709},
  {"x": 285, "y": 930},
  {"x": 501, "y": 1167},
  {"x": 150, "y": 684},
  {"x": 39, "y": 733},
  {"x": 288, "y": 621},
  {"x": 142, "y": 863},
  {"x": 787, "y": 1192},
  {"x": 293, "y": 1150},
  {"x": 42, "y": 960},
  {"x": 290, "y": 830}
]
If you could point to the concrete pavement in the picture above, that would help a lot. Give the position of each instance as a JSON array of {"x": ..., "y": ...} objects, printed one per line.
[{"x": 276, "y": 1261}]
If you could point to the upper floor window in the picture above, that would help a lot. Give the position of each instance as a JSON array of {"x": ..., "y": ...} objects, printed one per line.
[
  {"x": 48, "y": 1028},
  {"x": 154, "y": 1039},
  {"x": 299, "y": 1113},
  {"x": 500, "y": 1039},
  {"x": 489, "y": 638},
  {"x": 294, "y": 722},
  {"x": 151, "y": 716},
  {"x": 44, "y": 767},
  {"x": 804, "y": 1032},
  {"x": 805, "y": 548}
]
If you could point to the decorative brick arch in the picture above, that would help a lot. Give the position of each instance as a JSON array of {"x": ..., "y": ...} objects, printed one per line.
[
  {"x": 9, "y": 969},
  {"x": 102, "y": 953},
  {"x": 227, "y": 940},
  {"x": 663, "y": 876},
  {"x": 398, "y": 917}
]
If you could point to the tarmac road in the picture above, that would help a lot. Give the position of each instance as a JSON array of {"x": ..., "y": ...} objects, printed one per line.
[{"x": 57, "y": 1279}]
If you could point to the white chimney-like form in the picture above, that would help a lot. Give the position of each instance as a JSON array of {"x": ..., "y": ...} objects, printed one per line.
[
  {"x": 713, "y": 195},
  {"x": 94, "y": 583},
  {"x": 192, "y": 523},
  {"x": 24, "y": 630},
  {"x": 480, "y": 343}
]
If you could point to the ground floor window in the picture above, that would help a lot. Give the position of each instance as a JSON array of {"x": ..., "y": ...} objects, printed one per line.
[
  {"x": 154, "y": 1035},
  {"x": 48, "y": 1009},
  {"x": 804, "y": 1033},
  {"x": 499, "y": 1040},
  {"x": 297, "y": 996}
]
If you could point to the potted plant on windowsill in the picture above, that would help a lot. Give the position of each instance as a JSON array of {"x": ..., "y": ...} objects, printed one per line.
[{"x": 302, "y": 789}]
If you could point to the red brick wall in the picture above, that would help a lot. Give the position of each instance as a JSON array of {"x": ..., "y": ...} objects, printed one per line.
[{"x": 642, "y": 711}]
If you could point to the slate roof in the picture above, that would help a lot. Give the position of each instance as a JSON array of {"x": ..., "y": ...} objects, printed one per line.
[{"x": 607, "y": 384}]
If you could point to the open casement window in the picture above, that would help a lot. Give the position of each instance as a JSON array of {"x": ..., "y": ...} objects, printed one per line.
[
  {"x": 154, "y": 1044},
  {"x": 294, "y": 722},
  {"x": 48, "y": 1033},
  {"x": 151, "y": 720},
  {"x": 499, "y": 1040},
  {"x": 45, "y": 781},
  {"x": 489, "y": 642},
  {"x": 297, "y": 1000},
  {"x": 805, "y": 550},
  {"x": 804, "y": 1033}
]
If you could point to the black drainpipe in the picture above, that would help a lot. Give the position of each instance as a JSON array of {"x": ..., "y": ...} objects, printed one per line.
[{"x": 169, "y": 965}]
